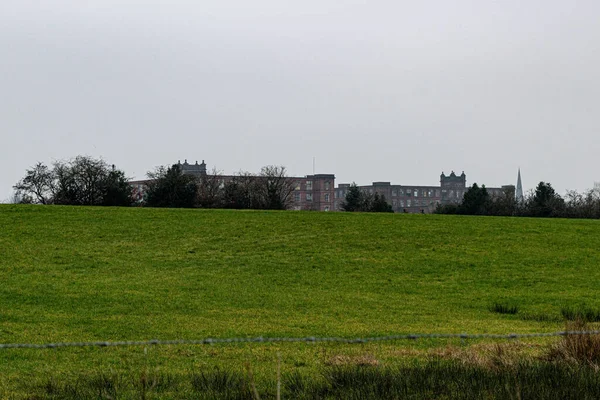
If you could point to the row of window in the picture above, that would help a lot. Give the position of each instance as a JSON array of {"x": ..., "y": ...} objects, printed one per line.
[
  {"x": 424, "y": 193},
  {"x": 340, "y": 194},
  {"x": 298, "y": 208},
  {"x": 309, "y": 197},
  {"x": 412, "y": 203},
  {"x": 415, "y": 192},
  {"x": 309, "y": 185}
]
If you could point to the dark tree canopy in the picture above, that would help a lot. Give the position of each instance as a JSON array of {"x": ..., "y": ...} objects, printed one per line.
[
  {"x": 240, "y": 192},
  {"x": 380, "y": 204},
  {"x": 117, "y": 191},
  {"x": 544, "y": 202},
  {"x": 475, "y": 201},
  {"x": 38, "y": 185},
  {"x": 170, "y": 187},
  {"x": 354, "y": 200},
  {"x": 274, "y": 188},
  {"x": 80, "y": 181},
  {"x": 358, "y": 200}
]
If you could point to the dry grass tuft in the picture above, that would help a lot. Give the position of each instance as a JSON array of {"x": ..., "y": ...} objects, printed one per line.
[
  {"x": 491, "y": 356},
  {"x": 344, "y": 360},
  {"x": 577, "y": 349}
]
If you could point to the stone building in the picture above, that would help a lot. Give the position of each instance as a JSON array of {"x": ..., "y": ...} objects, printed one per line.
[
  {"x": 418, "y": 198},
  {"x": 318, "y": 192},
  {"x": 198, "y": 170},
  {"x": 314, "y": 192}
]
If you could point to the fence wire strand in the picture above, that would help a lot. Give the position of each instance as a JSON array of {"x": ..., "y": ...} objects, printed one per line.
[{"x": 310, "y": 339}]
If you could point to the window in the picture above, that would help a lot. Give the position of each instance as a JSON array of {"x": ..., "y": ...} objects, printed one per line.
[
  {"x": 416, "y": 193},
  {"x": 298, "y": 185},
  {"x": 308, "y": 185},
  {"x": 326, "y": 208},
  {"x": 394, "y": 193},
  {"x": 394, "y": 203},
  {"x": 327, "y": 197},
  {"x": 327, "y": 185},
  {"x": 437, "y": 193},
  {"x": 408, "y": 192},
  {"x": 308, "y": 196},
  {"x": 297, "y": 197},
  {"x": 407, "y": 203},
  {"x": 401, "y": 192},
  {"x": 401, "y": 203}
]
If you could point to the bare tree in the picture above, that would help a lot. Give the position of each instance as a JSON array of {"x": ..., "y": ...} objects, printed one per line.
[
  {"x": 210, "y": 190},
  {"x": 38, "y": 184},
  {"x": 275, "y": 188},
  {"x": 80, "y": 181},
  {"x": 241, "y": 192}
]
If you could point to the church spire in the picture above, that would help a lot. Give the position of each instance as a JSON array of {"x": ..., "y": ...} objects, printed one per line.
[{"x": 519, "y": 192}]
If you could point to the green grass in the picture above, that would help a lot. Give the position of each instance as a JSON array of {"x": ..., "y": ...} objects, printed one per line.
[{"x": 78, "y": 274}]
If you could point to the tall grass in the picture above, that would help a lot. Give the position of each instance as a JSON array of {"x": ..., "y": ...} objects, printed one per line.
[
  {"x": 577, "y": 349},
  {"x": 433, "y": 379},
  {"x": 581, "y": 313}
]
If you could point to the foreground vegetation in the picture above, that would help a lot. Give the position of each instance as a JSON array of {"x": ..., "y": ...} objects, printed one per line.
[
  {"x": 447, "y": 380},
  {"x": 80, "y": 273}
]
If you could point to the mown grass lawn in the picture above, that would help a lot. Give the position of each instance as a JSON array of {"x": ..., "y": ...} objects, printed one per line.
[{"x": 84, "y": 274}]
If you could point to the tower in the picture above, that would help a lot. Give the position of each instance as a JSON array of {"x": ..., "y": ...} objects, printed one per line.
[{"x": 519, "y": 191}]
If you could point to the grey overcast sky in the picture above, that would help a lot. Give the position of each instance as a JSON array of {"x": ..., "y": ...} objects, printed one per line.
[{"x": 375, "y": 91}]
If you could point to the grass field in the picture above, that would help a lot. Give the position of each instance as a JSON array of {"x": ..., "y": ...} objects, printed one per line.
[{"x": 84, "y": 274}]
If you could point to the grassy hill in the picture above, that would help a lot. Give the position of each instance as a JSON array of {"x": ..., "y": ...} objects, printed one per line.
[{"x": 79, "y": 274}]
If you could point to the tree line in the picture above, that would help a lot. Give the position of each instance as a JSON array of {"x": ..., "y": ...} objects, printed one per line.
[
  {"x": 271, "y": 189},
  {"x": 543, "y": 201},
  {"x": 89, "y": 181},
  {"x": 80, "y": 181},
  {"x": 85, "y": 180}
]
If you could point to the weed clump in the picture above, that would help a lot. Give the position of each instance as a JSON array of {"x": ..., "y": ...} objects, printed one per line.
[
  {"x": 503, "y": 308},
  {"x": 581, "y": 313}
]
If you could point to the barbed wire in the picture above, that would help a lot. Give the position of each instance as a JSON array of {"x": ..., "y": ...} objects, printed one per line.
[{"x": 310, "y": 339}]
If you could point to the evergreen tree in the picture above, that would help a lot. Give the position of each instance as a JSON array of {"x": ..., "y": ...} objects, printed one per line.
[
  {"x": 544, "y": 202},
  {"x": 475, "y": 201},
  {"x": 170, "y": 187},
  {"x": 354, "y": 200},
  {"x": 116, "y": 189},
  {"x": 379, "y": 204}
]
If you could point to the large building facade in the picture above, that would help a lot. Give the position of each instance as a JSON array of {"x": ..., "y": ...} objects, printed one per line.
[
  {"x": 318, "y": 192},
  {"x": 311, "y": 192},
  {"x": 417, "y": 198}
]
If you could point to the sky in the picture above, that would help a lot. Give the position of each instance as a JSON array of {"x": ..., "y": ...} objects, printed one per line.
[{"x": 396, "y": 91}]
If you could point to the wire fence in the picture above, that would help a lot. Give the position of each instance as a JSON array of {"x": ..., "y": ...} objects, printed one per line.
[{"x": 310, "y": 339}]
